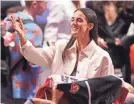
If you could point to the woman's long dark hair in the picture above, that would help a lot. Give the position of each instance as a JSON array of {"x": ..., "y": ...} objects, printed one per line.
[{"x": 92, "y": 18}]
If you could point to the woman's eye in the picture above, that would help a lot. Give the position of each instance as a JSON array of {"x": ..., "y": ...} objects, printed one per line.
[
  {"x": 72, "y": 19},
  {"x": 77, "y": 20},
  {"x": 80, "y": 20}
]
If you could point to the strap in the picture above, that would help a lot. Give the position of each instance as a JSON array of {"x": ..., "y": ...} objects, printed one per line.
[
  {"x": 23, "y": 21},
  {"x": 16, "y": 65},
  {"x": 27, "y": 21}
]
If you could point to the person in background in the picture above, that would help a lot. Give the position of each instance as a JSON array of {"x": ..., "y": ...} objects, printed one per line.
[
  {"x": 58, "y": 20},
  {"x": 129, "y": 44},
  {"x": 5, "y": 53},
  {"x": 15, "y": 9},
  {"x": 128, "y": 39},
  {"x": 25, "y": 75},
  {"x": 112, "y": 29}
]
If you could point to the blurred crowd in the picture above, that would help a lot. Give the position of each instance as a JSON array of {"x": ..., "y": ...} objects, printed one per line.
[{"x": 45, "y": 22}]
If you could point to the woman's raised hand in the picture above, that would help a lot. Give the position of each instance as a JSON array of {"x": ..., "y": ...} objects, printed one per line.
[{"x": 17, "y": 25}]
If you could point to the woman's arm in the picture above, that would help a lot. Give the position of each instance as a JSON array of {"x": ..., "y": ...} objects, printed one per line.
[
  {"x": 18, "y": 26},
  {"x": 107, "y": 66},
  {"x": 39, "y": 56}
]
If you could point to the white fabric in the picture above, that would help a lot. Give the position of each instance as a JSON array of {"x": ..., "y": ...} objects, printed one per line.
[
  {"x": 131, "y": 29},
  {"x": 93, "y": 61},
  {"x": 58, "y": 21},
  {"x": 28, "y": 102},
  {"x": 64, "y": 79}
]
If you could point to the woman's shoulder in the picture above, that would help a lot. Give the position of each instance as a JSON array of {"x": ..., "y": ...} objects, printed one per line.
[
  {"x": 102, "y": 52},
  {"x": 61, "y": 43}
]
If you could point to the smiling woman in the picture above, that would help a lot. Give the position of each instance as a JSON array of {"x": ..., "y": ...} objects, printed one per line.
[
  {"x": 80, "y": 57},
  {"x": 73, "y": 57}
]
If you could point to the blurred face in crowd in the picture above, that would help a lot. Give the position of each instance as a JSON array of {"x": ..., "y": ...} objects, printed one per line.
[
  {"x": 110, "y": 9},
  {"x": 79, "y": 25},
  {"x": 39, "y": 7}
]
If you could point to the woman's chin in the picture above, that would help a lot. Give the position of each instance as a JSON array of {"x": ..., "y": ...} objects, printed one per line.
[{"x": 74, "y": 34}]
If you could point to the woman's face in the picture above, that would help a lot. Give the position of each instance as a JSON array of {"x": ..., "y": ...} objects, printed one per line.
[{"x": 79, "y": 25}]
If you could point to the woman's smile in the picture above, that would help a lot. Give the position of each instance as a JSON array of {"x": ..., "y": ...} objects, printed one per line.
[{"x": 75, "y": 28}]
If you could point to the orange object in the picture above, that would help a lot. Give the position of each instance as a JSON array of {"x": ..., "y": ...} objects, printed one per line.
[
  {"x": 132, "y": 57},
  {"x": 122, "y": 97}
]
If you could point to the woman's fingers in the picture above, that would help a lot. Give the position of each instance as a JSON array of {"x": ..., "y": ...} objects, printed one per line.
[
  {"x": 14, "y": 23},
  {"x": 12, "y": 20},
  {"x": 21, "y": 23},
  {"x": 17, "y": 25}
]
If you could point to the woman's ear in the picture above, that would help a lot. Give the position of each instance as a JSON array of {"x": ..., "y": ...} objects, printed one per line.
[{"x": 90, "y": 26}]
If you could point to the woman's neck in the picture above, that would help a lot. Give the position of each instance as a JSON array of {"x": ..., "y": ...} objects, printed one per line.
[{"x": 82, "y": 43}]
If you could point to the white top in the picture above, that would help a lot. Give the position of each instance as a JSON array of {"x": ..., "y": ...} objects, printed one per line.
[{"x": 93, "y": 61}]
